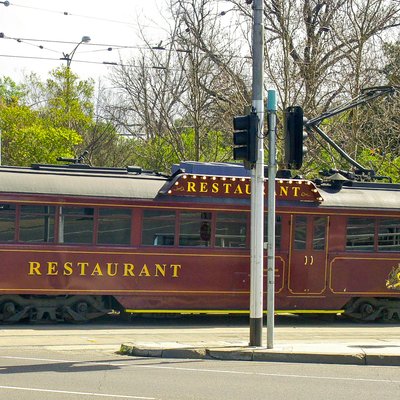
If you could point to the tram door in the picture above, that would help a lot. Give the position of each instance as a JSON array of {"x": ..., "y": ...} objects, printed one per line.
[{"x": 308, "y": 254}]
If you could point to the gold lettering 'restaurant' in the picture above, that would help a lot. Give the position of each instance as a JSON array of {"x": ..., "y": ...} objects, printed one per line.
[
  {"x": 291, "y": 190},
  {"x": 285, "y": 190},
  {"x": 237, "y": 188},
  {"x": 99, "y": 270}
]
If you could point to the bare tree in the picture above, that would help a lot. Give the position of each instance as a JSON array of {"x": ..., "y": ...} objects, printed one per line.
[
  {"x": 192, "y": 83},
  {"x": 319, "y": 53}
]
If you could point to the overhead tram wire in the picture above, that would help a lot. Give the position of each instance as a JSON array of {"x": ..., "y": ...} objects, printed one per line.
[
  {"x": 27, "y": 43},
  {"x": 114, "y": 46},
  {"x": 67, "y": 13},
  {"x": 108, "y": 47},
  {"x": 106, "y": 63},
  {"x": 111, "y": 46}
]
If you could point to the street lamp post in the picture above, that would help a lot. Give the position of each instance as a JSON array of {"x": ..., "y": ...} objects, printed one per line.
[{"x": 69, "y": 56}]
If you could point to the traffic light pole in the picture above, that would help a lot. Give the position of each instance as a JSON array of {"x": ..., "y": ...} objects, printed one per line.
[
  {"x": 272, "y": 167},
  {"x": 257, "y": 182}
]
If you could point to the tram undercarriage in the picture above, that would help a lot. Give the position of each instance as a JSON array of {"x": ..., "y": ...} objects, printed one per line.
[
  {"x": 373, "y": 309},
  {"x": 37, "y": 309}
]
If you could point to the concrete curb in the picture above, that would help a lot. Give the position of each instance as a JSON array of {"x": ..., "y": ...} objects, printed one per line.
[
  {"x": 257, "y": 354},
  {"x": 381, "y": 359}
]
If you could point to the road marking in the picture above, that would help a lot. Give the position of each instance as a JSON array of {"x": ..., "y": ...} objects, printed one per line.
[
  {"x": 221, "y": 371},
  {"x": 52, "y": 360},
  {"x": 36, "y": 359},
  {"x": 116, "y": 396},
  {"x": 295, "y": 376}
]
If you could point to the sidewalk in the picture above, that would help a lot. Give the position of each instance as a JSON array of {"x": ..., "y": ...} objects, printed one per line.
[
  {"x": 296, "y": 339},
  {"x": 363, "y": 345}
]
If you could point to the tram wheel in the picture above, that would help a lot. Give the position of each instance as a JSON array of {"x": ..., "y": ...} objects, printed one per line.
[
  {"x": 51, "y": 309},
  {"x": 367, "y": 309},
  {"x": 9, "y": 309},
  {"x": 373, "y": 309}
]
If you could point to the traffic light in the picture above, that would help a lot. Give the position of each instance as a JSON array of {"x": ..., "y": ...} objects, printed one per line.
[
  {"x": 294, "y": 137},
  {"x": 245, "y": 137}
]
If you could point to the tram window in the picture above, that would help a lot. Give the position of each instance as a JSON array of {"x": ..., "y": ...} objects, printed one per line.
[
  {"x": 158, "y": 228},
  {"x": 230, "y": 229},
  {"x": 319, "y": 233},
  {"x": 300, "y": 232},
  {"x": 278, "y": 230},
  {"x": 36, "y": 224},
  {"x": 114, "y": 226},
  {"x": 77, "y": 224},
  {"x": 195, "y": 228},
  {"x": 389, "y": 235},
  {"x": 360, "y": 234},
  {"x": 7, "y": 222}
]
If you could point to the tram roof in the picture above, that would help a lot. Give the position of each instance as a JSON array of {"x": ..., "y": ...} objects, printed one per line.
[
  {"x": 370, "y": 196},
  {"x": 132, "y": 185},
  {"x": 79, "y": 183}
]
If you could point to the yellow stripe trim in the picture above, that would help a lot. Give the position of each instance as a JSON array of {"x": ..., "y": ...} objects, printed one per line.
[{"x": 231, "y": 311}]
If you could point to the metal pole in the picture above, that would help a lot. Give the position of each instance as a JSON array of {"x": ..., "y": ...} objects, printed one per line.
[
  {"x": 257, "y": 182},
  {"x": 272, "y": 166}
]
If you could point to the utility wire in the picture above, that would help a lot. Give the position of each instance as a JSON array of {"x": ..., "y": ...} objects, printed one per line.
[
  {"x": 114, "y": 46},
  {"x": 107, "y": 63},
  {"x": 67, "y": 13},
  {"x": 30, "y": 44},
  {"x": 55, "y": 59},
  {"x": 109, "y": 47}
]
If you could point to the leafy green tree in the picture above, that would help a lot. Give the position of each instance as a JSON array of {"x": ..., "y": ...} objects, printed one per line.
[
  {"x": 386, "y": 164},
  {"x": 159, "y": 154},
  {"x": 62, "y": 98},
  {"x": 31, "y": 134},
  {"x": 9, "y": 90}
]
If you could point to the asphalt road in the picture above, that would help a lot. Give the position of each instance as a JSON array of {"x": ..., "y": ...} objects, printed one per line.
[
  {"x": 65, "y": 362},
  {"x": 58, "y": 375}
]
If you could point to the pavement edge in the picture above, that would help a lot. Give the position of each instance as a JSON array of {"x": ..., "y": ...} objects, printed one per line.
[{"x": 257, "y": 354}]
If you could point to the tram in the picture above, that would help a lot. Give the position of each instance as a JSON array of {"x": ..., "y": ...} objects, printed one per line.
[{"x": 77, "y": 242}]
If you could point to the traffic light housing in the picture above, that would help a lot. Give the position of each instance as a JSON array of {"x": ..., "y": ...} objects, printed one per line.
[
  {"x": 294, "y": 137},
  {"x": 245, "y": 137}
]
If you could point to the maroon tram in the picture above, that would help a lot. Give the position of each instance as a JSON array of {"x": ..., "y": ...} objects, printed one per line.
[{"x": 77, "y": 242}]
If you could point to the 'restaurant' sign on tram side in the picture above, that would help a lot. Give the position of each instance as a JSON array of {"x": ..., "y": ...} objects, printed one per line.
[{"x": 221, "y": 186}]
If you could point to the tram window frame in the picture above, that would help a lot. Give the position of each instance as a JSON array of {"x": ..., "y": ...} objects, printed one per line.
[
  {"x": 300, "y": 232},
  {"x": 8, "y": 222},
  {"x": 72, "y": 216},
  {"x": 158, "y": 227},
  {"x": 388, "y": 234},
  {"x": 231, "y": 229},
  {"x": 36, "y": 223},
  {"x": 114, "y": 226},
  {"x": 363, "y": 236},
  {"x": 319, "y": 233},
  {"x": 199, "y": 233}
]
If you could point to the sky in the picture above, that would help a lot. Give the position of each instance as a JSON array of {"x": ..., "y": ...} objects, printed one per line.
[{"x": 35, "y": 34}]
